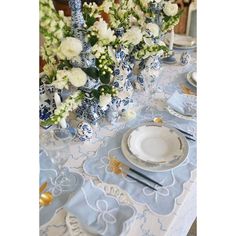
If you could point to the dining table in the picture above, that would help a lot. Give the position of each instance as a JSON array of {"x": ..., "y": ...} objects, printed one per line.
[{"x": 167, "y": 212}]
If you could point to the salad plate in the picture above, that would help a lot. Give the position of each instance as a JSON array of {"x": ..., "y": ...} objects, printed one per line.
[
  {"x": 154, "y": 147},
  {"x": 192, "y": 79}
]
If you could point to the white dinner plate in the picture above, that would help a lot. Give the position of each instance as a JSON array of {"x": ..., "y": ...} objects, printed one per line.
[
  {"x": 191, "y": 80},
  {"x": 154, "y": 147},
  {"x": 182, "y": 41}
]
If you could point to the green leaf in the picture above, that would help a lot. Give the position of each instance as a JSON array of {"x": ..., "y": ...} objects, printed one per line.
[
  {"x": 91, "y": 72},
  {"x": 96, "y": 93},
  {"x": 93, "y": 40},
  {"x": 105, "y": 78}
]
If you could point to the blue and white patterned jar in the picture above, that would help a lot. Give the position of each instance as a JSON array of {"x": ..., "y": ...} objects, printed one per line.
[
  {"x": 185, "y": 58},
  {"x": 46, "y": 100},
  {"x": 84, "y": 131}
]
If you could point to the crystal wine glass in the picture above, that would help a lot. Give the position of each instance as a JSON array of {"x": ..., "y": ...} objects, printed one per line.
[{"x": 56, "y": 145}]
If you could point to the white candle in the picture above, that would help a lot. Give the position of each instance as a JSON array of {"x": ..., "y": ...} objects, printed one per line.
[
  {"x": 172, "y": 35},
  {"x": 58, "y": 102}
]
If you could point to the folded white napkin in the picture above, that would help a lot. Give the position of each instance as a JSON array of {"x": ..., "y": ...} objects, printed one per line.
[{"x": 183, "y": 103}]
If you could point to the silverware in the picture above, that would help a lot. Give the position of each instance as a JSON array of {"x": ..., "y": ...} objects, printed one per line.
[
  {"x": 184, "y": 132},
  {"x": 190, "y": 138},
  {"x": 187, "y": 135},
  {"x": 118, "y": 168}
]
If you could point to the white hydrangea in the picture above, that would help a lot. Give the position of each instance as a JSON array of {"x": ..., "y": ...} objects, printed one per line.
[
  {"x": 104, "y": 100},
  {"x": 132, "y": 36},
  {"x": 70, "y": 47},
  {"x": 77, "y": 77},
  {"x": 154, "y": 29},
  {"x": 170, "y": 9},
  {"x": 105, "y": 34}
]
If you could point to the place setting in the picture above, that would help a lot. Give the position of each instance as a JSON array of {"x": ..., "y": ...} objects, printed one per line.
[{"x": 144, "y": 160}]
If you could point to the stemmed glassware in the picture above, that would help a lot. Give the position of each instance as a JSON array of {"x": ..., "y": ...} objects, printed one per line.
[{"x": 56, "y": 145}]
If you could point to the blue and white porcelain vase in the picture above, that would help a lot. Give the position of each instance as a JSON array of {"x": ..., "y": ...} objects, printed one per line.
[
  {"x": 147, "y": 77},
  {"x": 46, "y": 99}
]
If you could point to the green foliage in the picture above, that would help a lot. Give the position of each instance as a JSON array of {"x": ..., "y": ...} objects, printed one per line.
[
  {"x": 91, "y": 72},
  {"x": 105, "y": 78}
]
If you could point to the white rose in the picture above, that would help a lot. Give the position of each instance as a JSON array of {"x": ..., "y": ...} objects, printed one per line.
[
  {"x": 104, "y": 100},
  {"x": 133, "y": 36},
  {"x": 154, "y": 29},
  {"x": 170, "y": 9},
  {"x": 104, "y": 33},
  {"x": 69, "y": 48},
  {"x": 77, "y": 77}
]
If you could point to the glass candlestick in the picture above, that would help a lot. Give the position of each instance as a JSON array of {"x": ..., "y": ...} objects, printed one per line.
[{"x": 170, "y": 59}]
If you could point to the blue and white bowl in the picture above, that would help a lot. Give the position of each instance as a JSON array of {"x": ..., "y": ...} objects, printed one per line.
[{"x": 84, "y": 131}]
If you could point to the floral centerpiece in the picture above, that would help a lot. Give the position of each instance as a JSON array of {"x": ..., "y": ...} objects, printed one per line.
[{"x": 92, "y": 54}]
